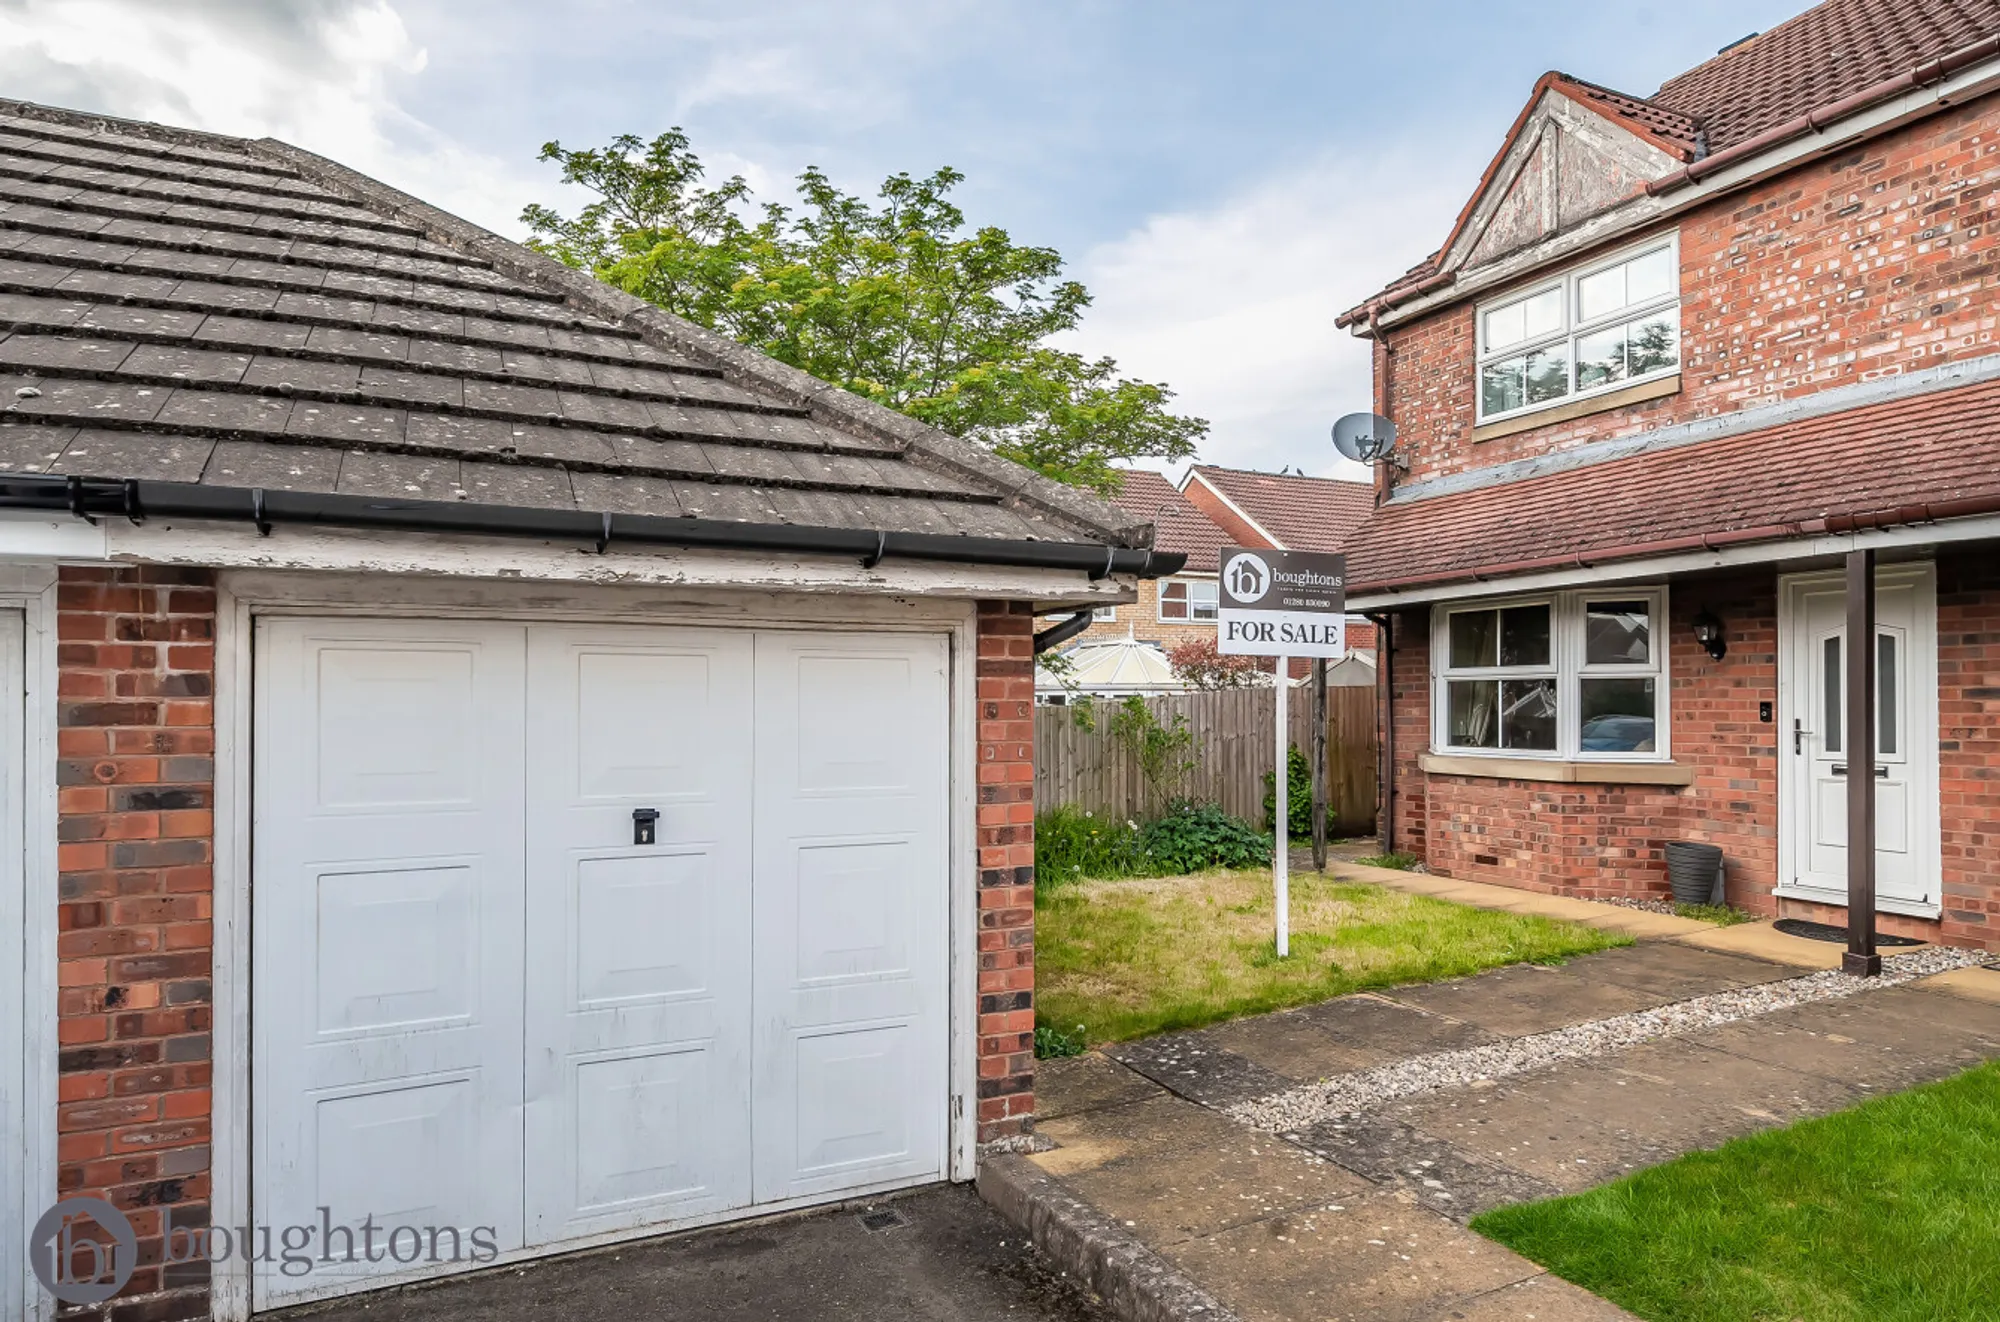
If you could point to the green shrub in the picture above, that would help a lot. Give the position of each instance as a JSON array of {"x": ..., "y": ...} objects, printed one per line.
[
  {"x": 1052, "y": 1043},
  {"x": 1298, "y": 795},
  {"x": 1194, "y": 837},
  {"x": 1071, "y": 844}
]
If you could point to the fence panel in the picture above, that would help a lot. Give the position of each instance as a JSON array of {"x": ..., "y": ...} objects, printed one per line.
[{"x": 1232, "y": 751}]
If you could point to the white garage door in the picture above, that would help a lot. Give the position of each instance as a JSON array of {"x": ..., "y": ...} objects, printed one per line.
[{"x": 486, "y": 1019}]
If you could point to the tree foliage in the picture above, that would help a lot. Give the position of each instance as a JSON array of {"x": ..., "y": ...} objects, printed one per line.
[
  {"x": 895, "y": 299},
  {"x": 1200, "y": 664}
]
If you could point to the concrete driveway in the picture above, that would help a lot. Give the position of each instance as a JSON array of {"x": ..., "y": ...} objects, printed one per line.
[{"x": 947, "y": 1258}]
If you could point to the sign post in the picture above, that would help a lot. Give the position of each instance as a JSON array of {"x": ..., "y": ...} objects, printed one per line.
[{"x": 1282, "y": 604}]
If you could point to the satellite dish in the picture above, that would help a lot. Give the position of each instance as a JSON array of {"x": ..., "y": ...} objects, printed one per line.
[{"x": 1364, "y": 437}]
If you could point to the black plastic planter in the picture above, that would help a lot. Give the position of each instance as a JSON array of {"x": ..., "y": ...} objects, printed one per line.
[{"x": 1695, "y": 872}]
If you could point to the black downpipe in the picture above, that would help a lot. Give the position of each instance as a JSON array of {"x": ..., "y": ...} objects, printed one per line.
[
  {"x": 90, "y": 498},
  {"x": 1386, "y": 623},
  {"x": 1058, "y": 634}
]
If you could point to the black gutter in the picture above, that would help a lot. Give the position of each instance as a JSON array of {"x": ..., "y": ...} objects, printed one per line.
[
  {"x": 138, "y": 499},
  {"x": 1058, "y": 634}
]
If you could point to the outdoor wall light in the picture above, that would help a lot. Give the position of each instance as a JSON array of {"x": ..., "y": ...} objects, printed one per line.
[{"x": 1708, "y": 632}]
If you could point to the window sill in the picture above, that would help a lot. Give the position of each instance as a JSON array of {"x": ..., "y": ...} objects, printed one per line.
[
  {"x": 1561, "y": 772},
  {"x": 1577, "y": 408}
]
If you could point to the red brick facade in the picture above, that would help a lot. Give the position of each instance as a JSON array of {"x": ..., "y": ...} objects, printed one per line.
[
  {"x": 1006, "y": 869},
  {"x": 1878, "y": 260},
  {"x": 136, "y": 746}
]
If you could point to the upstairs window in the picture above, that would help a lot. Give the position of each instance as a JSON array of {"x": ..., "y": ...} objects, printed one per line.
[
  {"x": 1188, "y": 600},
  {"x": 1595, "y": 329}
]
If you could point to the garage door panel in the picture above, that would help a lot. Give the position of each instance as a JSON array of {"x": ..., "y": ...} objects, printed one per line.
[
  {"x": 851, "y": 911},
  {"x": 396, "y": 727},
  {"x": 638, "y": 996},
  {"x": 398, "y": 949},
  {"x": 409, "y": 1155}
]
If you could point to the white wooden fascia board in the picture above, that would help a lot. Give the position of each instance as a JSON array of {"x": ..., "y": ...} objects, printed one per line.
[
  {"x": 1236, "y": 509},
  {"x": 1984, "y": 528},
  {"x": 234, "y": 546},
  {"x": 1644, "y": 210},
  {"x": 44, "y": 537}
]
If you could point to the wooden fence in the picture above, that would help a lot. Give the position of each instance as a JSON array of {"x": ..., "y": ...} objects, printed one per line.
[{"x": 1232, "y": 751}]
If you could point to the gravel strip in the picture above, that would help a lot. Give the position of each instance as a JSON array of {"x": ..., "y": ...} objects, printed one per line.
[
  {"x": 1343, "y": 1094},
  {"x": 1628, "y": 902}
]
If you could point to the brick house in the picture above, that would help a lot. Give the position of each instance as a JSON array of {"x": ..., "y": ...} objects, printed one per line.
[
  {"x": 439, "y": 693},
  {"x": 1215, "y": 507},
  {"x": 1686, "y": 367}
]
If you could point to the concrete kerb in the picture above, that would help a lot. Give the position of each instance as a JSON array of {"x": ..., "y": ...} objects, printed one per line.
[{"x": 1133, "y": 1281}]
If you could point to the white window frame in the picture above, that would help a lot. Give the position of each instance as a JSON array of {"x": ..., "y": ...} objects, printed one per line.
[
  {"x": 1103, "y": 614},
  {"x": 1574, "y": 328},
  {"x": 1566, "y": 665},
  {"x": 1214, "y": 606}
]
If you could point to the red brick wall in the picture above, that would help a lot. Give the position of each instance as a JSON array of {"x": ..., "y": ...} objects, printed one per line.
[
  {"x": 1006, "y": 681},
  {"x": 1204, "y": 498},
  {"x": 1872, "y": 262},
  {"x": 136, "y": 772},
  {"x": 1969, "y": 744}
]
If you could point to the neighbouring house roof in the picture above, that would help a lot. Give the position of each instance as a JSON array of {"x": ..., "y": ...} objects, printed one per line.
[
  {"x": 193, "y": 309},
  {"x": 1830, "y": 52},
  {"x": 1112, "y": 666},
  {"x": 1177, "y": 524},
  {"x": 1913, "y": 460},
  {"x": 1301, "y": 513}
]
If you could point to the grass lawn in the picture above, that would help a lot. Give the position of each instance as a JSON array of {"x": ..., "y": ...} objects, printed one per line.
[
  {"x": 1128, "y": 958},
  {"x": 1889, "y": 1211}
]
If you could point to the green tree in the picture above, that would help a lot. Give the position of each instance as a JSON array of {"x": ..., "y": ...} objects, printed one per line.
[{"x": 896, "y": 299}]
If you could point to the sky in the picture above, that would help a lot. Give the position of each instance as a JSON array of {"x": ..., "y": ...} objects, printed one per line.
[{"x": 1225, "y": 177}]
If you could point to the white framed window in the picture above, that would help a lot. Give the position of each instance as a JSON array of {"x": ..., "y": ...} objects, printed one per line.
[
  {"x": 1598, "y": 328},
  {"x": 1577, "y": 674},
  {"x": 1188, "y": 601},
  {"x": 1103, "y": 613}
]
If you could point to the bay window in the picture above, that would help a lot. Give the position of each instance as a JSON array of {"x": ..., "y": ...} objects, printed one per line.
[
  {"x": 1188, "y": 600},
  {"x": 1598, "y": 328},
  {"x": 1565, "y": 675}
]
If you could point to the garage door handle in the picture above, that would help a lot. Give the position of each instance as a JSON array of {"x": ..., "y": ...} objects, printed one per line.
[{"x": 645, "y": 824}]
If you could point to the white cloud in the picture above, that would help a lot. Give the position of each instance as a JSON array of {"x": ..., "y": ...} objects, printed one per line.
[
  {"x": 322, "y": 74},
  {"x": 1233, "y": 306}
]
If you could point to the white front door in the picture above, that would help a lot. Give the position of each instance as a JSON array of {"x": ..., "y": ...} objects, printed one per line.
[
  {"x": 569, "y": 931},
  {"x": 1815, "y": 768}
]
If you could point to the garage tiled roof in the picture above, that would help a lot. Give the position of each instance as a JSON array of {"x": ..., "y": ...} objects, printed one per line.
[
  {"x": 189, "y": 308},
  {"x": 1178, "y": 525},
  {"x": 1303, "y": 513},
  {"x": 1909, "y": 461},
  {"x": 1830, "y": 51}
]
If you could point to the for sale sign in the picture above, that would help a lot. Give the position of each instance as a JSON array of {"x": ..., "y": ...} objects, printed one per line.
[{"x": 1282, "y": 603}]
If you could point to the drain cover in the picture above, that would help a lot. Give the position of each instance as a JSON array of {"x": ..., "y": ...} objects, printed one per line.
[
  {"x": 1828, "y": 932},
  {"x": 886, "y": 1219}
]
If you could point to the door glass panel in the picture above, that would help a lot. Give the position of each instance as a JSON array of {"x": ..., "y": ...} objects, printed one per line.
[
  {"x": 1474, "y": 639},
  {"x": 1528, "y": 714},
  {"x": 1885, "y": 694},
  {"x": 1830, "y": 686},
  {"x": 1617, "y": 716},
  {"x": 1524, "y": 636},
  {"x": 1617, "y": 633},
  {"x": 1471, "y": 705}
]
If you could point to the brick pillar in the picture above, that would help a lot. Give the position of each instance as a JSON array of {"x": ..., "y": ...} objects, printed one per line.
[
  {"x": 1006, "y": 869},
  {"x": 136, "y": 771}
]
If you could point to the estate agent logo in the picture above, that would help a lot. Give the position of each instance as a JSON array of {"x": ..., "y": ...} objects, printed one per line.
[
  {"x": 1249, "y": 578},
  {"x": 75, "y": 1267}
]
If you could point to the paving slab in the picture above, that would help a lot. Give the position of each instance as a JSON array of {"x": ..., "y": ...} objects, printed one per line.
[
  {"x": 1574, "y": 1126},
  {"x": 1381, "y": 1258},
  {"x": 1164, "y": 1124},
  {"x": 952, "y": 1260},
  {"x": 1430, "y": 1169},
  {"x": 1342, "y": 1035},
  {"x": 1523, "y": 998},
  {"x": 1980, "y": 983},
  {"x": 1539, "y": 1299},
  {"x": 1670, "y": 971},
  {"x": 1198, "y": 1067},
  {"x": 1764, "y": 941},
  {"x": 1163, "y": 1199},
  {"x": 1085, "y": 1083}
]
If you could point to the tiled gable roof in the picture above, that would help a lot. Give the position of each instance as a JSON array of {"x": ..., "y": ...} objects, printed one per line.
[
  {"x": 1178, "y": 525},
  {"x": 1303, "y": 513},
  {"x": 1667, "y": 127},
  {"x": 1830, "y": 51},
  {"x": 1823, "y": 474},
  {"x": 195, "y": 309}
]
